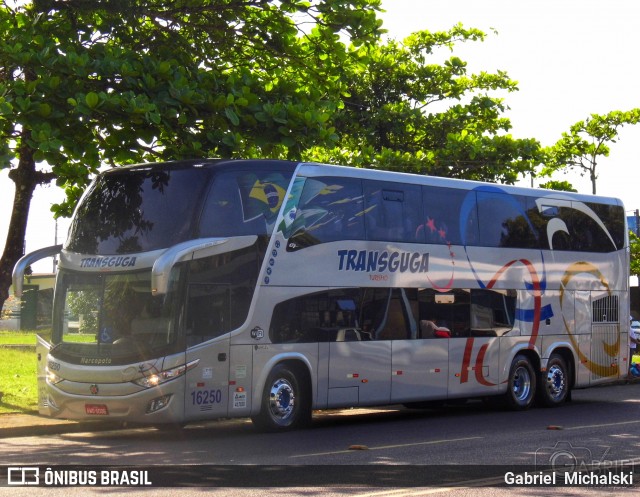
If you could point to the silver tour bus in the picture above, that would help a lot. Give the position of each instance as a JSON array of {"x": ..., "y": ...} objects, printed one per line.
[{"x": 200, "y": 289}]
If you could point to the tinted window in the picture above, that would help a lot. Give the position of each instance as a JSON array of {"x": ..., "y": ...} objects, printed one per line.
[
  {"x": 443, "y": 213},
  {"x": 579, "y": 226},
  {"x": 137, "y": 211},
  {"x": 243, "y": 203},
  {"x": 229, "y": 277},
  {"x": 390, "y": 313},
  {"x": 393, "y": 212},
  {"x": 613, "y": 217},
  {"x": 329, "y": 209},
  {"x": 492, "y": 312},
  {"x": 444, "y": 314},
  {"x": 208, "y": 312},
  {"x": 596, "y": 227},
  {"x": 461, "y": 313},
  {"x": 347, "y": 315},
  {"x": 503, "y": 221},
  {"x": 318, "y": 317}
]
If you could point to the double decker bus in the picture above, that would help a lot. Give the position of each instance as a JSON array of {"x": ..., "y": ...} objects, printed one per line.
[{"x": 200, "y": 289}]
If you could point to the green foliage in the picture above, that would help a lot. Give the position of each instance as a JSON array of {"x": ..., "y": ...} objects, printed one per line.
[
  {"x": 563, "y": 186},
  {"x": 91, "y": 83},
  {"x": 586, "y": 141},
  {"x": 18, "y": 380},
  {"x": 84, "y": 305},
  {"x": 408, "y": 110},
  {"x": 634, "y": 244}
]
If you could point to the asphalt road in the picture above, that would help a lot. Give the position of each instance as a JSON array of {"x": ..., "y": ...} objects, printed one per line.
[{"x": 376, "y": 452}]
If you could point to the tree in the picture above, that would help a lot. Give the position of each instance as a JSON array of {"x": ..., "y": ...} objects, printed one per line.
[
  {"x": 563, "y": 186},
  {"x": 122, "y": 81},
  {"x": 587, "y": 141},
  {"x": 634, "y": 244},
  {"x": 408, "y": 110}
]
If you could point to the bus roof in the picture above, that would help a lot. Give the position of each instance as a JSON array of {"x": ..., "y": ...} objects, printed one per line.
[{"x": 319, "y": 169}]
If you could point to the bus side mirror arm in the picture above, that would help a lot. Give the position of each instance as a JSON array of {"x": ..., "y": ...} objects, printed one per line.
[
  {"x": 170, "y": 257},
  {"x": 25, "y": 261}
]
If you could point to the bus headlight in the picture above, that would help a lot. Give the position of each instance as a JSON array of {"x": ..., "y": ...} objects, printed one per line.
[
  {"x": 52, "y": 378},
  {"x": 156, "y": 379}
]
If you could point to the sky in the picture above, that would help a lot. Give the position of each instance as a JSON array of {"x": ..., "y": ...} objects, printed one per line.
[{"x": 571, "y": 58}]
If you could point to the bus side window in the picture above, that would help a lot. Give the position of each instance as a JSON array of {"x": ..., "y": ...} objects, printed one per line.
[
  {"x": 504, "y": 222},
  {"x": 492, "y": 312},
  {"x": 444, "y": 315},
  {"x": 390, "y": 313},
  {"x": 392, "y": 212},
  {"x": 318, "y": 317},
  {"x": 441, "y": 216},
  {"x": 208, "y": 313},
  {"x": 330, "y": 209}
]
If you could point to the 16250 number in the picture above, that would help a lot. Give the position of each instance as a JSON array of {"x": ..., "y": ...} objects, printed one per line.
[{"x": 204, "y": 397}]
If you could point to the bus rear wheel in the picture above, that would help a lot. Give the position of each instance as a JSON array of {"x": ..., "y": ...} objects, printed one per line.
[
  {"x": 553, "y": 386},
  {"x": 286, "y": 403},
  {"x": 522, "y": 384}
]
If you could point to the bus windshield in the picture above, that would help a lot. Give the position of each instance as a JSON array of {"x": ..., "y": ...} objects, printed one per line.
[{"x": 113, "y": 318}]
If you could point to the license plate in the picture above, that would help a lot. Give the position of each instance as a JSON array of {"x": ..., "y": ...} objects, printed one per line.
[{"x": 96, "y": 409}]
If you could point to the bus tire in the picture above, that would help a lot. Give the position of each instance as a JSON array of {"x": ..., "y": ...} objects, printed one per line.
[
  {"x": 286, "y": 402},
  {"x": 521, "y": 389},
  {"x": 554, "y": 384}
]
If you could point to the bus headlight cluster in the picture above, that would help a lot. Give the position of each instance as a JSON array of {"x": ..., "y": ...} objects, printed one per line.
[
  {"x": 156, "y": 379},
  {"x": 53, "y": 378}
]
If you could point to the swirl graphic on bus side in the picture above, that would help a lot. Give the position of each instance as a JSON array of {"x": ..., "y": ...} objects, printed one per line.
[{"x": 610, "y": 349}]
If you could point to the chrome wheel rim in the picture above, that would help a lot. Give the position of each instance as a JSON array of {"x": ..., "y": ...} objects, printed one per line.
[
  {"x": 556, "y": 382},
  {"x": 521, "y": 384},
  {"x": 282, "y": 400}
]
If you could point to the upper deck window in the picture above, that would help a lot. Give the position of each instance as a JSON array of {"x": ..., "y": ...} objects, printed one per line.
[
  {"x": 137, "y": 211},
  {"x": 144, "y": 209},
  {"x": 244, "y": 203}
]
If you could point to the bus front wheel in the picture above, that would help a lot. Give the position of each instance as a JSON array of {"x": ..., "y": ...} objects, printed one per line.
[
  {"x": 522, "y": 384},
  {"x": 553, "y": 386},
  {"x": 285, "y": 401}
]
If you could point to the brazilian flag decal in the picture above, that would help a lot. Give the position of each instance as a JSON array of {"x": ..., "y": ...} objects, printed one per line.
[{"x": 262, "y": 196}]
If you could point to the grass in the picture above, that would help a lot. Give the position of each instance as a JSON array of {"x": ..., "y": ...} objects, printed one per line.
[
  {"x": 21, "y": 337},
  {"x": 18, "y": 381},
  {"x": 18, "y": 372}
]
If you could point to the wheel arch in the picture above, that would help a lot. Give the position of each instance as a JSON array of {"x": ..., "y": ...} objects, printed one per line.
[
  {"x": 295, "y": 361},
  {"x": 531, "y": 354},
  {"x": 566, "y": 353}
]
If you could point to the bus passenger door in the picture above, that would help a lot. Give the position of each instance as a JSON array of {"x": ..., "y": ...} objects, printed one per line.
[{"x": 207, "y": 324}]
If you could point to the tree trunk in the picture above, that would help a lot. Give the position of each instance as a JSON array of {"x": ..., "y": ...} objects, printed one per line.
[{"x": 25, "y": 178}]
